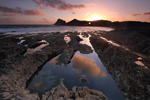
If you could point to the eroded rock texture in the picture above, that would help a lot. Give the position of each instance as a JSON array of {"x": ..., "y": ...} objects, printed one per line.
[
  {"x": 60, "y": 92},
  {"x": 16, "y": 70},
  {"x": 133, "y": 80}
]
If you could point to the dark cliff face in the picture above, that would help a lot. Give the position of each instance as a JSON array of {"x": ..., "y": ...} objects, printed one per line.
[
  {"x": 60, "y": 22},
  {"x": 76, "y": 22},
  {"x": 105, "y": 23},
  {"x": 130, "y": 24}
]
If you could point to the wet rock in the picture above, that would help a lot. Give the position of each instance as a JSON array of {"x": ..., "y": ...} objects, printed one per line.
[
  {"x": 78, "y": 99},
  {"x": 83, "y": 79},
  {"x": 69, "y": 51},
  {"x": 74, "y": 89},
  {"x": 85, "y": 49},
  {"x": 13, "y": 79},
  {"x": 148, "y": 88},
  {"x": 130, "y": 78},
  {"x": 37, "y": 44},
  {"x": 135, "y": 39},
  {"x": 77, "y": 93},
  {"x": 16, "y": 74}
]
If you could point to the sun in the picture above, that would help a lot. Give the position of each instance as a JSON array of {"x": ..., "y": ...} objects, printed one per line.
[{"x": 93, "y": 18}]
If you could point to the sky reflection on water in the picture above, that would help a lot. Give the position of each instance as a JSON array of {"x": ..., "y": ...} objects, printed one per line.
[{"x": 82, "y": 64}]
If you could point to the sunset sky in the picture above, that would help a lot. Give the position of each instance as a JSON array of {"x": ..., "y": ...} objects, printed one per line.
[{"x": 48, "y": 11}]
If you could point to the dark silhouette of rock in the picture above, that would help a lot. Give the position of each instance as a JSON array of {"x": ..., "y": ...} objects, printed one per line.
[
  {"x": 130, "y": 24},
  {"x": 76, "y": 22},
  {"x": 101, "y": 23},
  {"x": 105, "y": 23},
  {"x": 60, "y": 22}
]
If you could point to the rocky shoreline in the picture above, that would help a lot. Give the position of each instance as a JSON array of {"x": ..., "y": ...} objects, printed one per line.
[
  {"x": 16, "y": 69},
  {"x": 78, "y": 93},
  {"x": 132, "y": 79}
]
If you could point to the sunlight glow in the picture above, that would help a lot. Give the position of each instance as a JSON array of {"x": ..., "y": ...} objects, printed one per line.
[{"x": 93, "y": 18}]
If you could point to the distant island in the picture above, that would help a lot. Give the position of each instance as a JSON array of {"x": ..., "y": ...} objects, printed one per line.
[{"x": 104, "y": 23}]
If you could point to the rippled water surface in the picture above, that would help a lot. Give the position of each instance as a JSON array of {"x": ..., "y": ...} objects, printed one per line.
[{"x": 51, "y": 28}]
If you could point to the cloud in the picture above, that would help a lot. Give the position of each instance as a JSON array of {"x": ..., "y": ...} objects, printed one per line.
[
  {"x": 6, "y": 14},
  {"x": 146, "y": 13},
  {"x": 8, "y": 20},
  {"x": 18, "y": 10},
  {"x": 86, "y": 65},
  {"x": 73, "y": 12},
  {"x": 45, "y": 20},
  {"x": 137, "y": 14},
  {"x": 91, "y": 4},
  {"x": 58, "y": 4},
  {"x": 53, "y": 10},
  {"x": 33, "y": 12}
]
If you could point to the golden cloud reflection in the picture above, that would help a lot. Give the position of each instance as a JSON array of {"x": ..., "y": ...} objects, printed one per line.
[
  {"x": 87, "y": 65},
  {"x": 52, "y": 60}
]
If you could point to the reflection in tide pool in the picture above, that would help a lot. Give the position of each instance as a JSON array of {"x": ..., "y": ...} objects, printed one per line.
[
  {"x": 81, "y": 64},
  {"x": 39, "y": 48},
  {"x": 87, "y": 66}
]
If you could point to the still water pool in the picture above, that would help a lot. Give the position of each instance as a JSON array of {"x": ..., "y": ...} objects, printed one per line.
[{"x": 82, "y": 66}]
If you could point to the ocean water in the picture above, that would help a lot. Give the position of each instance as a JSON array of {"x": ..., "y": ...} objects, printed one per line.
[{"x": 28, "y": 29}]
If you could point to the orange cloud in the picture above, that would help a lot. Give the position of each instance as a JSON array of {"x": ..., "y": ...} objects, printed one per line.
[
  {"x": 18, "y": 10},
  {"x": 57, "y": 4},
  {"x": 137, "y": 14},
  {"x": 45, "y": 20},
  {"x": 85, "y": 65},
  {"x": 103, "y": 74},
  {"x": 53, "y": 10},
  {"x": 146, "y": 13},
  {"x": 91, "y": 4},
  {"x": 73, "y": 12}
]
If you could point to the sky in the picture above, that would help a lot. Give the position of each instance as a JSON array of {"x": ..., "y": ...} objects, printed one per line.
[{"x": 48, "y": 11}]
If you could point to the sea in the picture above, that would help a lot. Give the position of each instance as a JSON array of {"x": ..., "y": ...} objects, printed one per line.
[{"x": 31, "y": 29}]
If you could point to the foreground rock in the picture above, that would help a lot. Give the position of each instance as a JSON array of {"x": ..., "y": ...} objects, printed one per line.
[
  {"x": 16, "y": 71},
  {"x": 14, "y": 75},
  {"x": 60, "y": 92},
  {"x": 132, "y": 79},
  {"x": 137, "y": 40}
]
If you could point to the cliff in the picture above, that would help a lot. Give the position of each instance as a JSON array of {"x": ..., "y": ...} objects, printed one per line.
[
  {"x": 60, "y": 22},
  {"x": 105, "y": 23}
]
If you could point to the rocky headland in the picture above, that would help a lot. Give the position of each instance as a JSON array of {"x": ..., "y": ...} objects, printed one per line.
[{"x": 105, "y": 23}]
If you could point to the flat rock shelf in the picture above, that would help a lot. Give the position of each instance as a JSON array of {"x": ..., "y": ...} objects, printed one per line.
[{"x": 74, "y": 66}]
